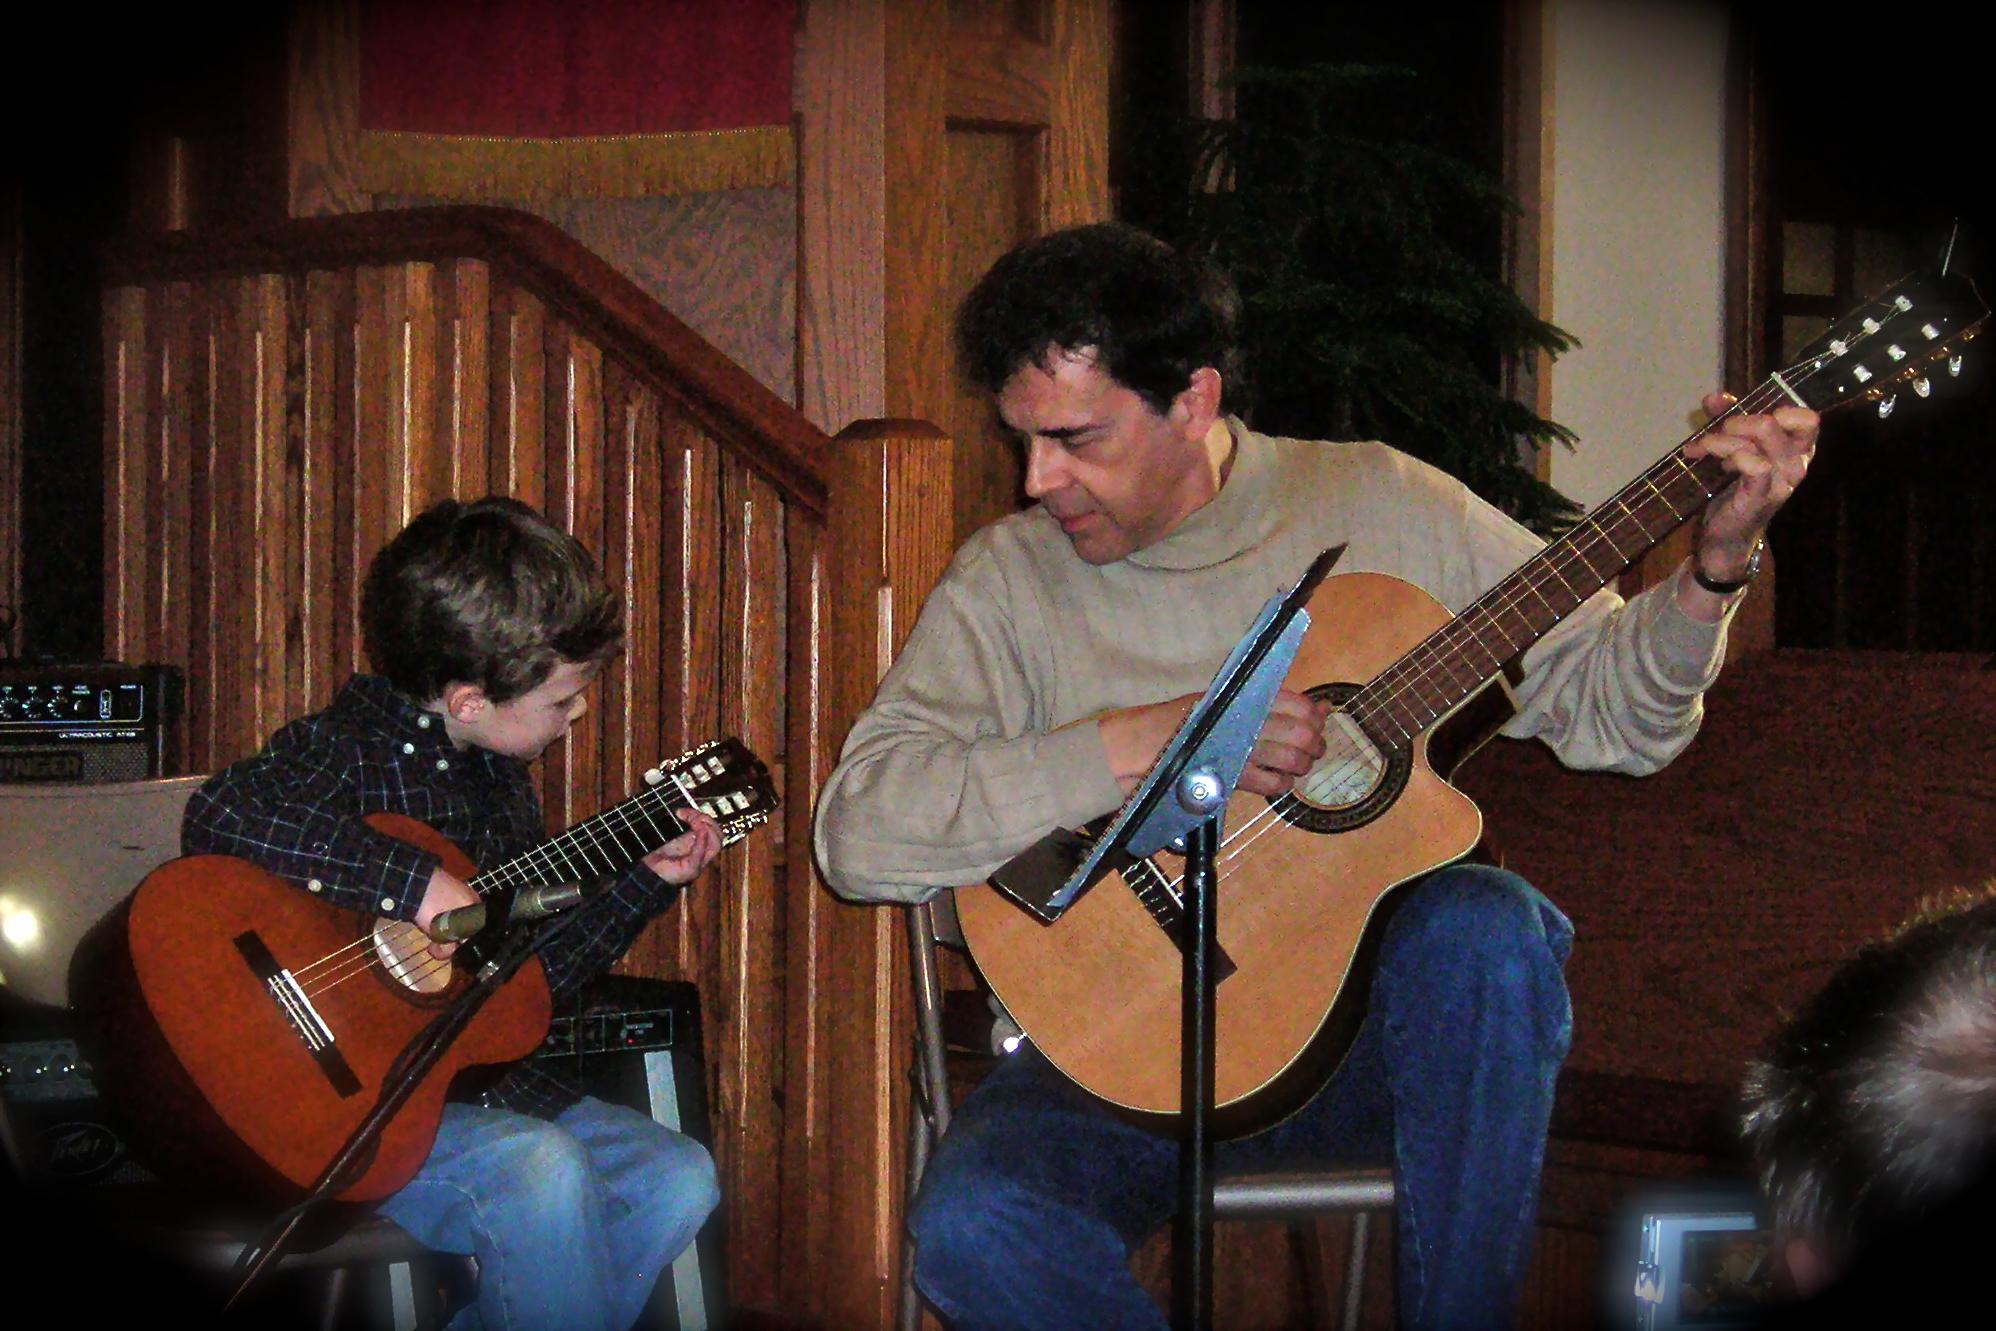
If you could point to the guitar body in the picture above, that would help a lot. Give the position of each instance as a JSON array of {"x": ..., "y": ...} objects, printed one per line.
[
  {"x": 219, "y": 1083},
  {"x": 1100, "y": 989}
]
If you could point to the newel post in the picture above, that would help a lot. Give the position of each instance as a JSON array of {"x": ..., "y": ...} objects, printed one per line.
[{"x": 861, "y": 583}]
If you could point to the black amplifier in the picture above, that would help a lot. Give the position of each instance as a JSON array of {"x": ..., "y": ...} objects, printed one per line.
[
  {"x": 85, "y": 722},
  {"x": 56, "y": 1132}
]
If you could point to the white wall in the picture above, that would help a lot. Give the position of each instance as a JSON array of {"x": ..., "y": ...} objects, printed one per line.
[{"x": 1637, "y": 226}]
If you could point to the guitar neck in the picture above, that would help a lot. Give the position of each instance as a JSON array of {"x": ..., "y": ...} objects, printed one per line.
[
  {"x": 606, "y": 843},
  {"x": 1896, "y": 339},
  {"x": 1457, "y": 659}
]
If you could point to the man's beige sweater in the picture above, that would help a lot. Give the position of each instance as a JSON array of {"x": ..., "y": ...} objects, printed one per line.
[{"x": 980, "y": 739}]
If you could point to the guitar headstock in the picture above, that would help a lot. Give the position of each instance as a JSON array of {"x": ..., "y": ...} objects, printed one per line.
[
  {"x": 724, "y": 780},
  {"x": 1897, "y": 340}
]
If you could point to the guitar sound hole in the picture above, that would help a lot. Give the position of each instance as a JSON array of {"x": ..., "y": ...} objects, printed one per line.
[
  {"x": 404, "y": 953},
  {"x": 1354, "y": 783}
]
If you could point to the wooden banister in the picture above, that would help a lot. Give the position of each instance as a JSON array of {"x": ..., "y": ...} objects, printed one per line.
[{"x": 528, "y": 251}]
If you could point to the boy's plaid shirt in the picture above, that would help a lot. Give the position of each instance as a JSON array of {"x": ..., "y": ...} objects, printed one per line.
[{"x": 295, "y": 809}]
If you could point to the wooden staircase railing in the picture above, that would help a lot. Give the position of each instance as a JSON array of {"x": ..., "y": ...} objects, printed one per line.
[{"x": 278, "y": 404}]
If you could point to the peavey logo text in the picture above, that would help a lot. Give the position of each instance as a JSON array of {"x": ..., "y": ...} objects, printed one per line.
[{"x": 79, "y": 1150}]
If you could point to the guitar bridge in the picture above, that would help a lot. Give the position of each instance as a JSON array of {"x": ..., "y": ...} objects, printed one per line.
[
  {"x": 304, "y": 1019},
  {"x": 1033, "y": 875},
  {"x": 1167, "y": 908}
]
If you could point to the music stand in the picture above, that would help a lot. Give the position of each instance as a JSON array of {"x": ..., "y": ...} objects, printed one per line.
[{"x": 1199, "y": 768}]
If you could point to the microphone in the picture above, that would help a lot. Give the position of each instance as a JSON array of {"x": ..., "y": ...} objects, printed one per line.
[{"x": 532, "y": 903}]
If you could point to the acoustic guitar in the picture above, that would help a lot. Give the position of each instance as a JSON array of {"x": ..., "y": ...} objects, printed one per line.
[
  {"x": 1304, "y": 881},
  {"x": 244, "y": 1028}
]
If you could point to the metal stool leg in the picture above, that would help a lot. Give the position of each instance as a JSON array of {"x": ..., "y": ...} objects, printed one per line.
[
  {"x": 909, "y": 1318},
  {"x": 1361, "y": 1224}
]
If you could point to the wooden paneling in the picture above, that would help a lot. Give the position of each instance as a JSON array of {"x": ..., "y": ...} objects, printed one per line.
[
  {"x": 1827, "y": 793},
  {"x": 841, "y": 98},
  {"x": 126, "y": 417},
  {"x": 994, "y": 204},
  {"x": 934, "y": 136},
  {"x": 278, "y": 406},
  {"x": 748, "y": 905}
]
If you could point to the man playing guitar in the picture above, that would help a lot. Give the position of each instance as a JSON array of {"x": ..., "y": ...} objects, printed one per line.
[{"x": 1060, "y": 653}]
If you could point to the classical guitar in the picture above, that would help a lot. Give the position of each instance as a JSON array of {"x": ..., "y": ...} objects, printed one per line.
[
  {"x": 244, "y": 1028},
  {"x": 1302, "y": 879}
]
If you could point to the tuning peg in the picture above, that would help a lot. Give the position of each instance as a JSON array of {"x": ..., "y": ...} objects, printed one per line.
[
  {"x": 1885, "y": 405},
  {"x": 1921, "y": 386},
  {"x": 1954, "y": 365}
]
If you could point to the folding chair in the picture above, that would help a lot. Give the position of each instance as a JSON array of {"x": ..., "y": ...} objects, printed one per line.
[{"x": 1302, "y": 1197}]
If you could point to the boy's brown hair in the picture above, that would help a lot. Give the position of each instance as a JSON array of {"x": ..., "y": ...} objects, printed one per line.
[{"x": 487, "y": 593}]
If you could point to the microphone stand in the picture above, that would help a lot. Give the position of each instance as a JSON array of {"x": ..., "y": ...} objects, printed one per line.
[
  {"x": 497, "y": 962},
  {"x": 1199, "y": 769}
]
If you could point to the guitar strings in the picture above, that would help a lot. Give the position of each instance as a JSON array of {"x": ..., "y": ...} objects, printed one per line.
[
  {"x": 623, "y": 817},
  {"x": 1387, "y": 691},
  {"x": 398, "y": 962},
  {"x": 1420, "y": 665},
  {"x": 1237, "y": 846},
  {"x": 1532, "y": 582},
  {"x": 417, "y": 964}
]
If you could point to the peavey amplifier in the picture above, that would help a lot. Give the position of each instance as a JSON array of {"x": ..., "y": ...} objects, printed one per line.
[
  {"x": 636, "y": 1042},
  {"x": 55, "y": 1130},
  {"x": 84, "y": 722}
]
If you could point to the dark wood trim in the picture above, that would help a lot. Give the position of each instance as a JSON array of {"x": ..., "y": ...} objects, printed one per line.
[
  {"x": 1212, "y": 36},
  {"x": 1528, "y": 232},
  {"x": 322, "y": 172},
  {"x": 1746, "y": 309},
  {"x": 997, "y": 80},
  {"x": 11, "y": 242},
  {"x": 765, "y": 431},
  {"x": 1646, "y": 1112},
  {"x": 1744, "y": 345}
]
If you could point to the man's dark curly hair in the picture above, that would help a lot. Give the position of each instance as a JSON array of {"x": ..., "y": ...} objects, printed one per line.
[
  {"x": 1877, "y": 1102},
  {"x": 487, "y": 593},
  {"x": 1151, "y": 314}
]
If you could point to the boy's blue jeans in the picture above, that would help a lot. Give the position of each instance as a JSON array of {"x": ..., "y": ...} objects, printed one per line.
[
  {"x": 571, "y": 1221},
  {"x": 1037, "y": 1195}
]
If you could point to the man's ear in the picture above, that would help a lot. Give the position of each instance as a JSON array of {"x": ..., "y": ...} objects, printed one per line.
[
  {"x": 1198, "y": 404},
  {"x": 464, "y": 703}
]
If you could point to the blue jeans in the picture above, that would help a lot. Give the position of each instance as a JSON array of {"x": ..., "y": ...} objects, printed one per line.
[
  {"x": 1037, "y": 1195},
  {"x": 571, "y": 1221}
]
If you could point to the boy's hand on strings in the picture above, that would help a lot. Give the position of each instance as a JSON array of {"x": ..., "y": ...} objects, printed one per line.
[
  {"x": 681, "y": 859},
  {"x": 446, "y": 892}
]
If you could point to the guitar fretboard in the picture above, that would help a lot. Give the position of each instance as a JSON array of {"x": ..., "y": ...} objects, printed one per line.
[
  {"x": 606, "y": 843},
  {"x": 1460, "y": 657}
]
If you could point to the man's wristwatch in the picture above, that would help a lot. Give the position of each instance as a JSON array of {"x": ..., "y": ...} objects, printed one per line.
[{"x": 1727, "y": 587}]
